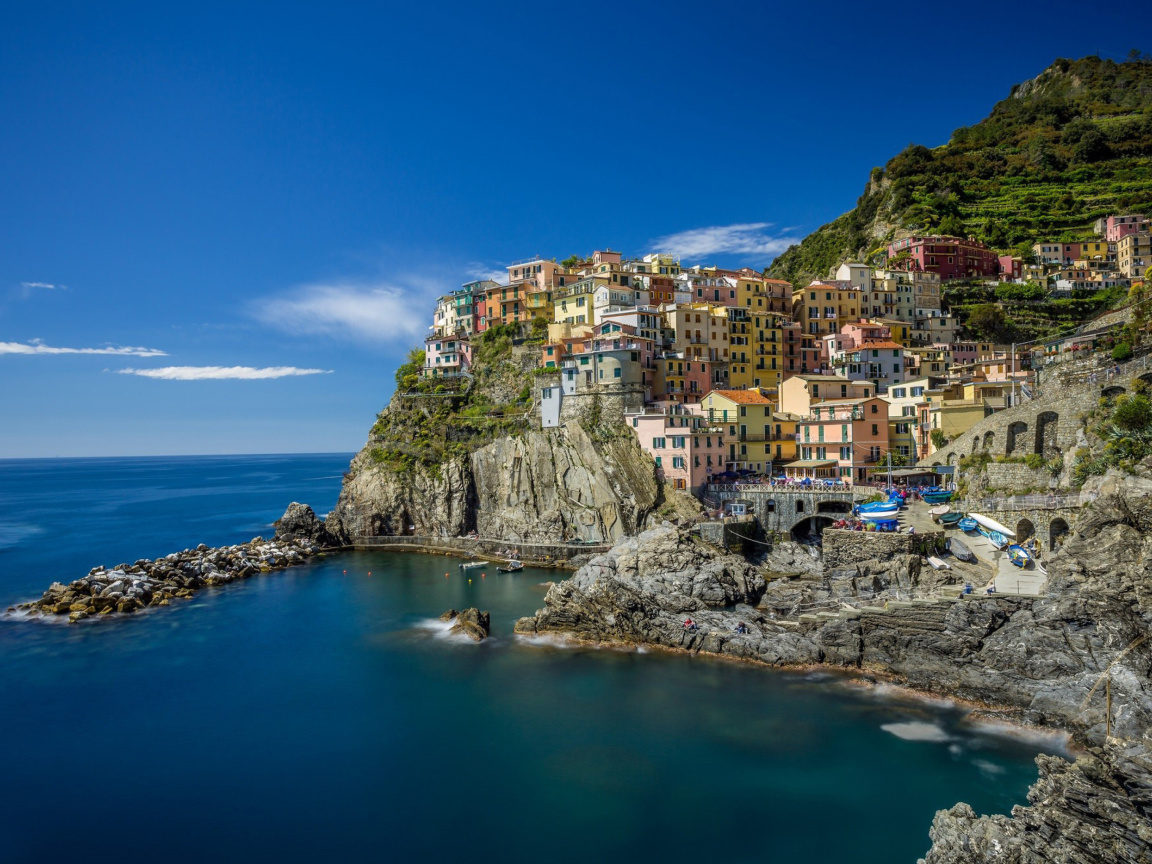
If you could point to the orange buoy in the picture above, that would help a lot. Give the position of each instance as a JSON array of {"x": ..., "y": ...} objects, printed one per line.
[
  {"x": 482, "y": 576},
  {"x": 369, "y": 572}
]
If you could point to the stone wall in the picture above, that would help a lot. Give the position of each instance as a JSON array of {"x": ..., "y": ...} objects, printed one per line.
[{"x": 1016, "y": 477}]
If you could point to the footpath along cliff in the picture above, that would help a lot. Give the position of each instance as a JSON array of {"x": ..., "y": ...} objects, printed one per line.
[{"x": 1037, "y": 660}]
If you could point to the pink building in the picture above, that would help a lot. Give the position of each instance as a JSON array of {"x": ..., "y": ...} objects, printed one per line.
[
  {"x": 687, "y": 451},
  {"x": 446, "y": 357},
  {"x": 842, "y": 437},
  {"x": 1121, "y": 226},
  {"x": 1010, "y": 268},
  {"x": 686, "y": 380},
  {"x": 951, "y": 257},
  {"x": 850, "y": 337}
]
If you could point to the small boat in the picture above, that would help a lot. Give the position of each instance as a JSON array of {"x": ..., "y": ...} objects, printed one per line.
[
  {"x": 938, "y": 564},
  {"x": 959, "y": 550},
  {"x": 993, "y": 525},
  {"x": 472, "y": 565},
  {"x": 512, "y": 567},
  {"x": 968, "y": 524},
  {"x": 950, "y": 520},
  {"x": 878, "y": 514},
  {"x": 941, "y": 497},
  {"x": 995, "y": 538},
  {"x": 939, "y": 511},
  {"x": 877, "y": 506},
  {"x": 1018, "y": 555}
]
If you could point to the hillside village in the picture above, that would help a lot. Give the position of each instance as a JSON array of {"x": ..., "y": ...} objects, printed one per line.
[{"x": 727, "y": 373}]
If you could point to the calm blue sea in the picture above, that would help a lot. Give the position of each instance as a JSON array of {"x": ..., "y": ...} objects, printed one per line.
[{"x": 321, "y": 714}]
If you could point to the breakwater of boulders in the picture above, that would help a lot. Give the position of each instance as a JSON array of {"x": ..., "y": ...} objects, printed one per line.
[{"x": 128, "y": 588}]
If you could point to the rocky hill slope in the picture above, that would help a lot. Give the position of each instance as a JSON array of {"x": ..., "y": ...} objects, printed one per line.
[{"x": 1069, "y": 146}]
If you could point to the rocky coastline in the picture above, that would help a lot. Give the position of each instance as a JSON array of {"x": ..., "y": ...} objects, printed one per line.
[
  {"x": 1036, "y": 660},
  {"x": 129, "y": 588}
]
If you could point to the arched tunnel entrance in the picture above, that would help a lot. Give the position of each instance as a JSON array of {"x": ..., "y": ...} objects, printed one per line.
[
  {"x": 809, "y": 530},
  {"x": 834, "y": 507}
]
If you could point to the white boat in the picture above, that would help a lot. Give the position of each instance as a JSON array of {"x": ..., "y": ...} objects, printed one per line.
[
  {"x": 939, "y": 511},
  {"x": 992, "y": 525},
  {"x": 937, "y": 564},
  {"x": 512, "y": 566},
  {"x": 877, "y": 515},
  {"x": 472, "y": 565}
]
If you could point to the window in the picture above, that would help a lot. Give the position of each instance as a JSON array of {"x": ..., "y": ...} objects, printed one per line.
[
  {"x": 657, "y": 443},
  {"x": 875, "y": 429},
  {"x": 845, "y": 452},
  {"x": 678, "y": 462},
  {"x": 875, "y": 408},
  {"x": 844, "y": 433},
  {"x": 616, "y": 372},
  {"x": 898, "y": 393},
  {"x": 917, "y": 391}
]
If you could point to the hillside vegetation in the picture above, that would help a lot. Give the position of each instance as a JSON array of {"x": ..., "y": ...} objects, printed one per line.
[{"x": 1064, "y": 149}]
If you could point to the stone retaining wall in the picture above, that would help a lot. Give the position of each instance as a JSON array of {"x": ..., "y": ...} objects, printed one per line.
[
  {"x": 845, "y": 549},
  {"x": 543, "y": 554}
]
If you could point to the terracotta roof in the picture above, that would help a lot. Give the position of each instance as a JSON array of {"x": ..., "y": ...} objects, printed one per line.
[
  {"x": 887, "y": 344},
  {"x": 745, "y": 397}
]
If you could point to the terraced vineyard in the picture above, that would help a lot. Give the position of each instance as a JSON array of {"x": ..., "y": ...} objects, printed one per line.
[{"x": 1064, "y": 149}]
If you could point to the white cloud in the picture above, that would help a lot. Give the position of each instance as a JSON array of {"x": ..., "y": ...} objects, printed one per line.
[
  {"x": 45, "y": 285},
  {"x": 749, "y": 238},
  {"x": 371, "y": 313},
  {"x": 36, "y": 346},
  {"x": 222, "y": 373},
  {"x": 479, "y": 270}
]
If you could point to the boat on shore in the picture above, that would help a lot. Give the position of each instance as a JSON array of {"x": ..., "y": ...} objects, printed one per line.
[
  {"x": 992, "y": 525},
  {"x": 968, "y": 524},
  {"x": 950, "y": 520},
  {"x": 1018, "y": 555},
  {"x": 941, "y": 496},
  {"x": 995, "y": 538},
  {"x": 959, "y": 550}
]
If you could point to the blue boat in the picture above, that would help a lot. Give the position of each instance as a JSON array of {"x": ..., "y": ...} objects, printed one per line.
[
  {"x": 940, "y": 497},
  {"x": 968, "y": 524},
  {"x": 995, "y": 538},
  {"x": 1018, "y": 555}
]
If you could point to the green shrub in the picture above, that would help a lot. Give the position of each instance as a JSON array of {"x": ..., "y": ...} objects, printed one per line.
[
  {"x": 1034, "y": 461},
  {"x": 1122, "y": 352}
]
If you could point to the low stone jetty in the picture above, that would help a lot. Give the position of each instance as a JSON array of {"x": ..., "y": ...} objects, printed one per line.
[{"x": 128, "y": 588}]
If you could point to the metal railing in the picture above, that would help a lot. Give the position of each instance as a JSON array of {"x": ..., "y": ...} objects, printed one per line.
[{"x": 1030, "y": 502}]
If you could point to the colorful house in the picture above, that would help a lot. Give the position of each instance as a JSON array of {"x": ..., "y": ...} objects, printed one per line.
[
  {"x": 851, "y": 433},
  {"x": 686, "y": 448}
]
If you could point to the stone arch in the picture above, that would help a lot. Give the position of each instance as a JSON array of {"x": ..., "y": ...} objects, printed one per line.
[
  {"x": 951, "y": 458},
  {"x": 935, "y": 464},
  {"x": 1046, "y": 427},
  {"x": 804, "y": 530},
  {"x": 1024, "y": 530},
  {"x": 1016, "y": 433},
  {"x": 1113, "y": 391},
  {"x": 1057, "y": 533},
  {"x": 799, "y": 505},
  {"x": 834, "y": 507},
  {"x": 989, "y": 440},
  {"x": 975, "y": 443}
]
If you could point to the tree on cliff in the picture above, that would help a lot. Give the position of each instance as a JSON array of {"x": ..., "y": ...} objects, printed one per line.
[{"x": 408, "y": 373}]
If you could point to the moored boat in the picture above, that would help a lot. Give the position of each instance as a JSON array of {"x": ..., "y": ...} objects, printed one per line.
[
  {"x": 513, "y": 566},
  {"x": 472, "y": 565}
]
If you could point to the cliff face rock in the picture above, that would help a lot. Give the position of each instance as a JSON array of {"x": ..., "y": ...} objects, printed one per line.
[{"x": 542, "y": 485}]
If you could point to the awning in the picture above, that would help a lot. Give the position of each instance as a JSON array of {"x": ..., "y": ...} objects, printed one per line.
[{"x": 812, "y": 463}]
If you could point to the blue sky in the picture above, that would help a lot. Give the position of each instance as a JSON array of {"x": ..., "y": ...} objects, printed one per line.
[{"x": 245, "y": 211}]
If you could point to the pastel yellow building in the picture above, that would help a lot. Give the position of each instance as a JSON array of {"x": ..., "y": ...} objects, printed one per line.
[
  {"x": 746, "y": 417},
  {"x": 825, "y": 307}
]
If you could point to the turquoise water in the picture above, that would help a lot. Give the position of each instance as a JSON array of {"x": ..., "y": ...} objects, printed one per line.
[{"x": 322, "y": 714}]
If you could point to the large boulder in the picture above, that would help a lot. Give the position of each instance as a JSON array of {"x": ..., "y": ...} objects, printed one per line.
[{"x": 299, "y": 521}]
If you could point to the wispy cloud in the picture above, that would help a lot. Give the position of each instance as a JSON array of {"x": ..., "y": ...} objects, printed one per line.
[
  {"x": 369, "y": 313},
  {"x": 749, "y": 238},
  {"x": 36, "y": 346},
  {"x": 48, "y": 286},
  {"x": 480, "y": 270},
  {"x": 222, "y": 373}
]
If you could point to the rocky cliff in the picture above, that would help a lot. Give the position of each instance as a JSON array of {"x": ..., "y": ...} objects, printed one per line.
[
  {"x": 1041, "y": 660},
  {"x": 533, "y": 486}
]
